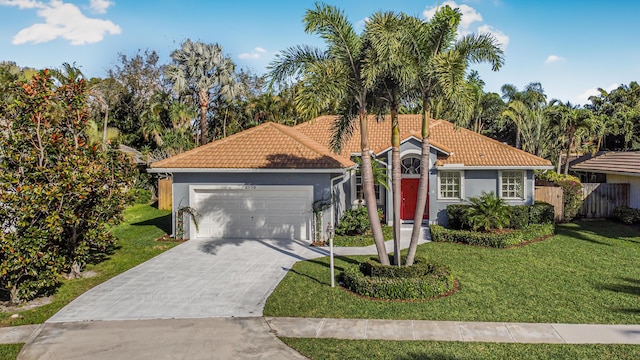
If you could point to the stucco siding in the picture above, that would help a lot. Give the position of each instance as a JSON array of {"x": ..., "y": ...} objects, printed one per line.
[
  {"x": 634, "y": 187},
  {"x": 475, "y": 183},
  {"x": 321, "y": 183}
]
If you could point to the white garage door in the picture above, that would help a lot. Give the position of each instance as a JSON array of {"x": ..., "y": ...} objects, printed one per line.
[{"x": 252, "y": 211}]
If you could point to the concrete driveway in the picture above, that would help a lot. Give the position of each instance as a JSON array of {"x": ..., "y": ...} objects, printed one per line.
[{"x": 197, "y": 279}]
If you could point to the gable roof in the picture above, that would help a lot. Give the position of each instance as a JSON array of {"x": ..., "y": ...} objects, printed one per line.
[
  {"x": 267, "y": 146},
  {"x": 463, "y": 147},
  {"x": 610, "y": 162}
]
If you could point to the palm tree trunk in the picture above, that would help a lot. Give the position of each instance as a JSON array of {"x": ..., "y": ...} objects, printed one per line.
[
  {"x": 560, "y": 156},
  {"x": 396, "y": 183},
  {"x": 369, "y": 191},
  {"x": 423, "y": 187},
  {"x": 204, "y": 105},
  {"x": 566, "y": 160}
]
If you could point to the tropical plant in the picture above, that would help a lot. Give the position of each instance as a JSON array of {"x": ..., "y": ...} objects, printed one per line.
[
  {"x": 389, "y": 73},
  {"x": 59, "y": 194},
  {"x": 330, "y": 76},
  {"x": 532, "y": 98},
  {"x": 203, "y": 71},
  {"x": 131, "y": 87},
  {"x": 488, "y": 212},
  {"x": 441, "y": 60},
  {"x": 181, "y": 214},
  {"x": 570, "y": 119}
]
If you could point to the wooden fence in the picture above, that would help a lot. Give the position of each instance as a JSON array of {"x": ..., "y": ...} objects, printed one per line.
[
  {"x": 553, "y": 196},
  {"x": 599, "y": 200},
  {"x": 165, "y": 196}
]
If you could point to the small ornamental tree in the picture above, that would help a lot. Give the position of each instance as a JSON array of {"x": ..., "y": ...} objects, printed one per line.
[{"x": 58, "y": 194}]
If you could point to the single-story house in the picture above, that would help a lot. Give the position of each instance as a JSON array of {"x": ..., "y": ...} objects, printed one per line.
[
  {"x": 263, "y": 182},
  {"x": 611, "y": 167}
]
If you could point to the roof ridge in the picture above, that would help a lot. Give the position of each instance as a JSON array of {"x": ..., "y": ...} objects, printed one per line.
[
  {"x": 214, "y": 143},
  {"x": 309, "y": 143},
  {"x": 501, "y": 144}
]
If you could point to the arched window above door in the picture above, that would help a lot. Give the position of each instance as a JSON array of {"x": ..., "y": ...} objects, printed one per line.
[{"x": 411, "y": 165}]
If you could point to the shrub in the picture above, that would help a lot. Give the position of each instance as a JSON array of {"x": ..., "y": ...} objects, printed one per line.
[
  {"x": 59, "y": 193},
  {"x": 362, "y": 240},
  {"x": 541, "y": 213},
  {"x": 488, "y": 212},
  {"x": 422, "y": 280},
  {"x": 626, "y": 215},
  {"x": 457, "y": 214},
  {"x": 141, "y": 196},
  {"x": 491, "y": 239},
  {"x": 571, "y": 191},
  {"x": 519, "y": 216},
  {"x": 354, "y": 222}
]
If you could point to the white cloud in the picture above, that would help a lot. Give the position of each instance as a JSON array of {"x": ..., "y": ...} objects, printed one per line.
[
  {"x": 256, "y": 53},
  {"x": 469, "y": 17},
  {"x": 22, "y": 4},
  {"x": 63, "y": 20},
  {"x": 501, "y": 37},
  {"x": 584, "y": 97},
  {"x": 554, "y": 58},
  {"x": 100, "y": 6}
]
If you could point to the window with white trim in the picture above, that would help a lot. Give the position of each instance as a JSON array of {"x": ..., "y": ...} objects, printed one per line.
[
  {"x": 359, "y": 189},
  {"x": 512, "y": 184},
  {"x": 450, "y": 184}
]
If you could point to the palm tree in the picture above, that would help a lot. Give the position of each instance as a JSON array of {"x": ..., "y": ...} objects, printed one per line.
[
  {"x": 335, "y": 75},
  {"x": 441, "y": 62},
  {"x": 201, "y": 69},
  {"x": 532, "y": 97},
  {"x": 570, "y": 119},
  {"x": 389, "y": 73}
]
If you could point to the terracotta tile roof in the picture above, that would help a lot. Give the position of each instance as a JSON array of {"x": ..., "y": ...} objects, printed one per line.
[
  {"x": 464, "y": 146},
  {"x": 269, "y": 146},
  {"x": 619, "y": 162}
]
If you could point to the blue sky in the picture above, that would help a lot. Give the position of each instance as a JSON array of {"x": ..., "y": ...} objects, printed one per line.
[{"x": 571, "y": 47}]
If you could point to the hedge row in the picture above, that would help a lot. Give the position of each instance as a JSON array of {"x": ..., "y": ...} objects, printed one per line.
[
  {"x": 422, "y": 280},
  {"x": 627, "y": 215},
  {"x": 491, "y": 239},
  {"x": 521, "y": 215}
]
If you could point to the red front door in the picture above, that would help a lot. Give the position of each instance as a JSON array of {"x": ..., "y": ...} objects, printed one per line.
[{"x": 409, "y": 191}]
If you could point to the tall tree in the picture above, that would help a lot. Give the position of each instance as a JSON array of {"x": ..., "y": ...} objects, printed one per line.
[
  {"x": 531, "y": 98},
  {"x": 203, "y": 71},
  {"x": 334, "y": 75},
  {"x": 389, "y": 72},
  {"x": 441, "y": 62},
  {"x": 570, "y": 118},
  {"x": 131, "y": 86}
]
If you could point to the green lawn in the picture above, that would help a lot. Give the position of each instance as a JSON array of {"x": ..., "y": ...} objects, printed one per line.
[
  {"x": 143, "y": 225},
  {"x": 588, "y": 273},
  {"x": 10, "y": 351},
  {"x": 318, "y": 349}
]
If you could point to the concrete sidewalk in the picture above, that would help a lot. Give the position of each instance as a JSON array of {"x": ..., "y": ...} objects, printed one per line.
[
  {"x": 455, "y": 331},
  {"x": 375, "y": 329}
]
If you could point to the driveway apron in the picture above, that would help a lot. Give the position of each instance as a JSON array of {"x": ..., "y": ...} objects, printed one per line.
[{"x": 197, "y": 279}]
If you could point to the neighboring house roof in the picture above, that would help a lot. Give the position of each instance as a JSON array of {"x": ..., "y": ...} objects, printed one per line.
[
  {"x": 267, "y": 146},
  {"x": 462, "y": 146},
  {"x": 610, "y": 162}
]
